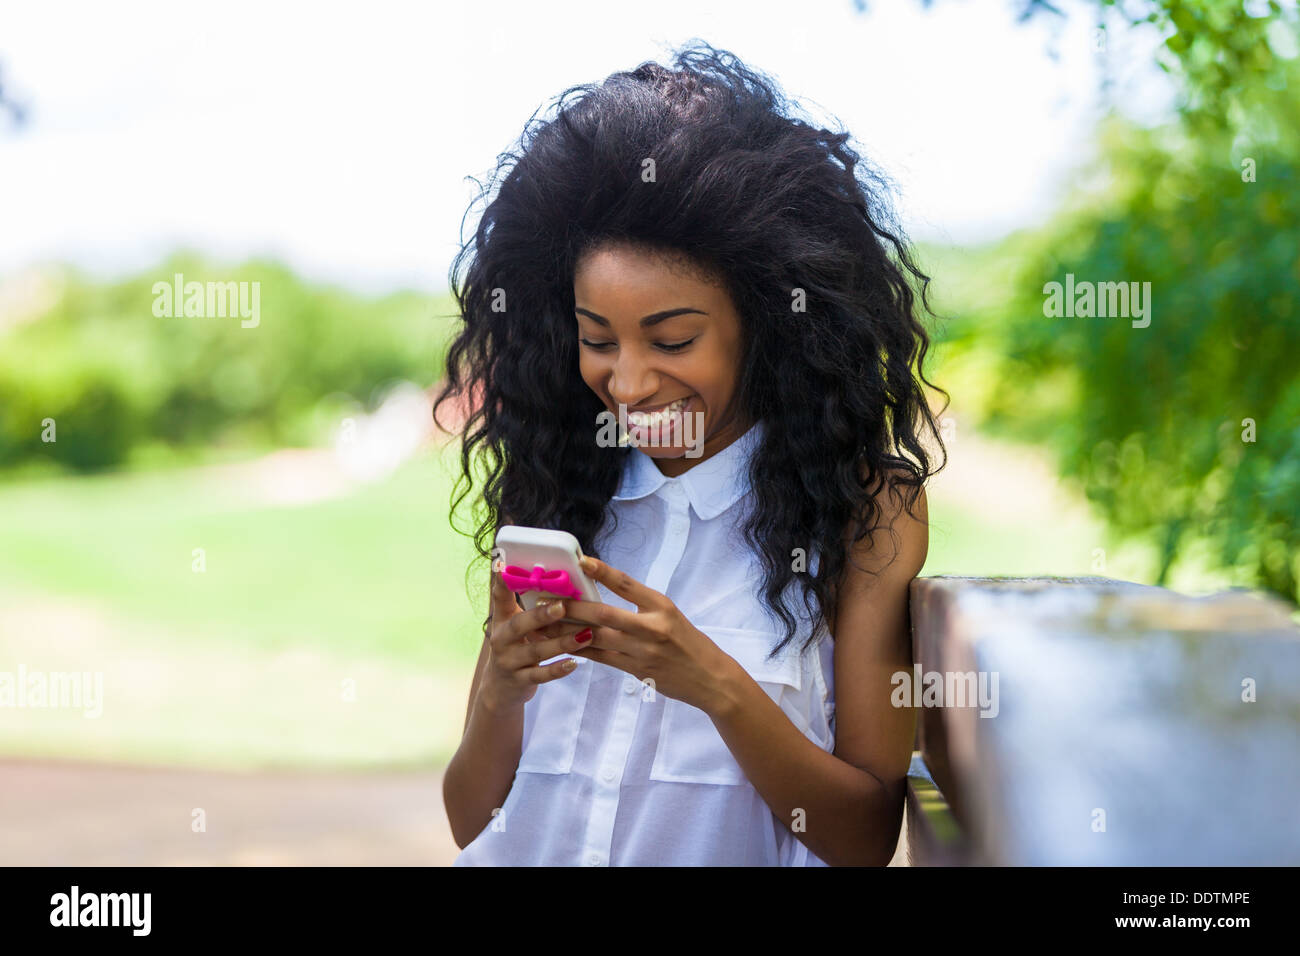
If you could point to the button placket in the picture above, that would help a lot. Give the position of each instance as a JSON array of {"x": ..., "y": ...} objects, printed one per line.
[
  {"x": 613, "y": 758},
  {"x": 674, "y": 546}
]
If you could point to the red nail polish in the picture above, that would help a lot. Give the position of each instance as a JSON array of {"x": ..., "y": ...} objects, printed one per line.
[{"x": 584, "y": 635}]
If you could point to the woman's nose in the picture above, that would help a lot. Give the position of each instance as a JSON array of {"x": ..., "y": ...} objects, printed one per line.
[{"x": 632, "y": 382}]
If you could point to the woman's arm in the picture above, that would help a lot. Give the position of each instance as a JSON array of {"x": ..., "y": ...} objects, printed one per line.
[
  {"x": 851, "y": 800},
  {"x": 481, "y": 772}
]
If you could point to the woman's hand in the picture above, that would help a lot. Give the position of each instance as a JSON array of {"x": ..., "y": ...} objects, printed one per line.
[
  {"x": 518, "y": 640},
  {"x": 655, "y": 643}
]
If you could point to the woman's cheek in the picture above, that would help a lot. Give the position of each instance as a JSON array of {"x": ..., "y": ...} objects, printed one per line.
[{"x": 588, "y": 373}]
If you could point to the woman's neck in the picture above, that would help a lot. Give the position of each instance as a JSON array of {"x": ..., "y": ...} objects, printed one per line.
[{"x": 713, "y": 444}]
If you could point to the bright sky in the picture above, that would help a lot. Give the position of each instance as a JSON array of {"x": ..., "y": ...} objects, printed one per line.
[{"x": 339, "y": 138}]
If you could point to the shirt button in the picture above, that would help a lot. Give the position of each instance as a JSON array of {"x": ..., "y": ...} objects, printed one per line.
[
  {"x": 629, "y": 686},
  {"x": 593, "y": 860},
  {"x": 608, "y": 774}
]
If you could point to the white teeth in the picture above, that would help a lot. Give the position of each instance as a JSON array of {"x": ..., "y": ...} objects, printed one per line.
[{"x": 655, "y": 419}]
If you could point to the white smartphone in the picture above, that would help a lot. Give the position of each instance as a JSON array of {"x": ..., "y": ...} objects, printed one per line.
[{"x": 552, "y": 551}]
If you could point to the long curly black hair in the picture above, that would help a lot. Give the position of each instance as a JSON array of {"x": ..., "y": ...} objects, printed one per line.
[{"x": 760, "y": 197}]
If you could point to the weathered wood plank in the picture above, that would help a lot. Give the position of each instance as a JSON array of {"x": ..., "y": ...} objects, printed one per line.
[
  {"x": 1131, "y": 725},
  {"x": 933, "y": 837}
]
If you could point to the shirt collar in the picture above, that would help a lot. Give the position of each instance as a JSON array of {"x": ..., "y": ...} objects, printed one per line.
[{"x": 712, "y": 486}]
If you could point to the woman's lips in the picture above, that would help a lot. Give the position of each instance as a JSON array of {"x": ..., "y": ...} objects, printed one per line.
[
  {"x": 663, "y": 425},
  {"x": 659, "y": 416}
]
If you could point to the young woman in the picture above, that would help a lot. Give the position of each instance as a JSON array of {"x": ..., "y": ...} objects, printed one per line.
[{"x": 678, "y": 249}]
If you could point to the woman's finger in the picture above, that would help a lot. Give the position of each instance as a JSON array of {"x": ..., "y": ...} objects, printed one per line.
[
  {"x": 504, "y": 605},
  {"x": 517, "y": 629},
  {"x": 560, "y": 630},
  {"x": 541, "y": 673},
  {"x": 623, "y": 584},
  {"x": 613, "y": 626},
  {"x": 606, "y": 656},
  {"x": 518, "y": 658}
]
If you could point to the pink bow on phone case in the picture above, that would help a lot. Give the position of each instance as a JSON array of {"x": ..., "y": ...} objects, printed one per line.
[{"x": 539, "y": 579}]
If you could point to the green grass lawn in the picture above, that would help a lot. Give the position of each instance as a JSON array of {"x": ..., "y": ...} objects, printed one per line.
[
  {"x": 378, "y": 572},
  {"x": 336, "y": 633}
]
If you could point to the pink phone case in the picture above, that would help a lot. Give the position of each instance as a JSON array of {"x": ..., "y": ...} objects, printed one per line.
[{"x": 538, "y": 563}]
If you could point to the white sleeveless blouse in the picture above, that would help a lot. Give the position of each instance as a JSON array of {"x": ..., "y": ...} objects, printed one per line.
[{"x": 613, "y": 773}]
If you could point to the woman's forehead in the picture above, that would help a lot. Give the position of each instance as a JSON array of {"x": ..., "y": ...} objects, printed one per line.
[{"x": 647, "y": 255}]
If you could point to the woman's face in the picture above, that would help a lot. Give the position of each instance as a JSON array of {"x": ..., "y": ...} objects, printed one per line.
[{"x": 654, "y": 336}]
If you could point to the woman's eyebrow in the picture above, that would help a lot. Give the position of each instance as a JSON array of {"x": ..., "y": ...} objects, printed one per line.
[{"x": 646, "y": 322}]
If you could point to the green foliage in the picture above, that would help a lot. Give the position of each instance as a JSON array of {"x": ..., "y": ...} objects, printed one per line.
[
  {"x": 1215, "y": 50},
  {"x": 115, "y": 377},
  {"x": 1154, "y": 421},
  {"x": 1218, "y": 51}
]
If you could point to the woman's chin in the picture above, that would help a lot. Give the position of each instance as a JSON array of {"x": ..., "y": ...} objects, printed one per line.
[{"x": 661, "y": 452}]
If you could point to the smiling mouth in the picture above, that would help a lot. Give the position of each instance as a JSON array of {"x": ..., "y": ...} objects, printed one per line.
[{"x": 660, "y": 416}]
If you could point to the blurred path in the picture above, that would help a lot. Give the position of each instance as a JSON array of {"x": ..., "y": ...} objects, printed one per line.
[{"x": 84, "y": 814}]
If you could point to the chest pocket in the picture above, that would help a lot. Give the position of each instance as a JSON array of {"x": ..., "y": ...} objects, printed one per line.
[
  {"x": 552, "y": 720},
  {"x": 690, "y": 749}
]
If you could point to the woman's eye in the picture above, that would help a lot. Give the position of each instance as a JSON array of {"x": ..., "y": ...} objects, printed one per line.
[
  {"x": 664, "y": 346},
  {"x": 676, "y": 346}
]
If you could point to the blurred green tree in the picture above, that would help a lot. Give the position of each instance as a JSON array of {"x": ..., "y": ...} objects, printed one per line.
[
  {"x": 1188, "y": 428},
  {"x": 114, "y": 376}
]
